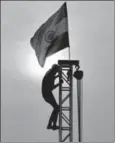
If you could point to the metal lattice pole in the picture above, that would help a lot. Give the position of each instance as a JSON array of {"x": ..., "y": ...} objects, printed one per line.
[{"x": 66, "y": 66}]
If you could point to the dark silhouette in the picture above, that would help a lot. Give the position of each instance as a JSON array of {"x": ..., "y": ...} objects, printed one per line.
[{"x": 47, "y": 87}]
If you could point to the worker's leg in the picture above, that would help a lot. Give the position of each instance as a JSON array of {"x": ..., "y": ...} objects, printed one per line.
[
  {"x": 53, "y": 118},
  {"x": 55, "y": 115}
]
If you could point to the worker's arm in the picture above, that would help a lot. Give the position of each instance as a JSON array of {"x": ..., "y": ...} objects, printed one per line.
[
  {"x": 56, "y": 76},
  {"x": 56, "y": 85}
]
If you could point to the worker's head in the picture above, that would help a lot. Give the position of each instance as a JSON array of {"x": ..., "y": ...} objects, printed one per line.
[{"x": 55, "y": 68}]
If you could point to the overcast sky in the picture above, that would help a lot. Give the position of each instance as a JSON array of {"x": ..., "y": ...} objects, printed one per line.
[{"x": 91, "y": 32}]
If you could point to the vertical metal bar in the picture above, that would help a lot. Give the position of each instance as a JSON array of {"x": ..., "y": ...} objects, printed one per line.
[
  {"x": 80, "y": 109},
  {"x": 71, "y": 106},
  {"x": 78, "y": 103},
  {"x": 60, "y": 103},
  {"x": 70, "y": 109},
  {"x": 72, "y": 103},
  {"x": 80, "y": 100}
]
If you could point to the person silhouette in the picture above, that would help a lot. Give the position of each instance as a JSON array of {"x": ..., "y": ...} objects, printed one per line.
[{"x": 47, "y": 87}]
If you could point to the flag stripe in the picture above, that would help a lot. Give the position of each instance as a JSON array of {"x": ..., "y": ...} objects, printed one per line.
[{"x": 58, "y": 44}]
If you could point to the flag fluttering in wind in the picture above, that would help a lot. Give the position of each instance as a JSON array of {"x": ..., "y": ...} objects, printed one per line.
[{"x": 52, "y": 36}]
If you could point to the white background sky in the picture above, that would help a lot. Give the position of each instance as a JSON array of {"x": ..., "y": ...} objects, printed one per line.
[{"x": 91, "y": 30}]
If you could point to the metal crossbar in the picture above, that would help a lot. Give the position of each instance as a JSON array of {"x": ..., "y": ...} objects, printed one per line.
[{"x": 65, "y": 98}]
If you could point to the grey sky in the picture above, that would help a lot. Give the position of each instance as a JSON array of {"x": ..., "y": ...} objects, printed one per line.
[{"x": 91, "y": 32}]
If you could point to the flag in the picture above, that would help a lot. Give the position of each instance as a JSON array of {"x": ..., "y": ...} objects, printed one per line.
[{"x": 52, "y": 36}]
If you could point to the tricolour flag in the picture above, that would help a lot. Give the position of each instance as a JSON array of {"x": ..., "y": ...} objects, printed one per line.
[{"x": 52, "y": 36}]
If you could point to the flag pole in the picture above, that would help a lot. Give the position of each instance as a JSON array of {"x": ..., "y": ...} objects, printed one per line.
[
  {"x": 69, "y": 54},
  {"x": 68, "y": 36}
]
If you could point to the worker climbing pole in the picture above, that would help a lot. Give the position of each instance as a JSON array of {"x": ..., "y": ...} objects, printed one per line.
[{"x": 51, "y": 37}]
